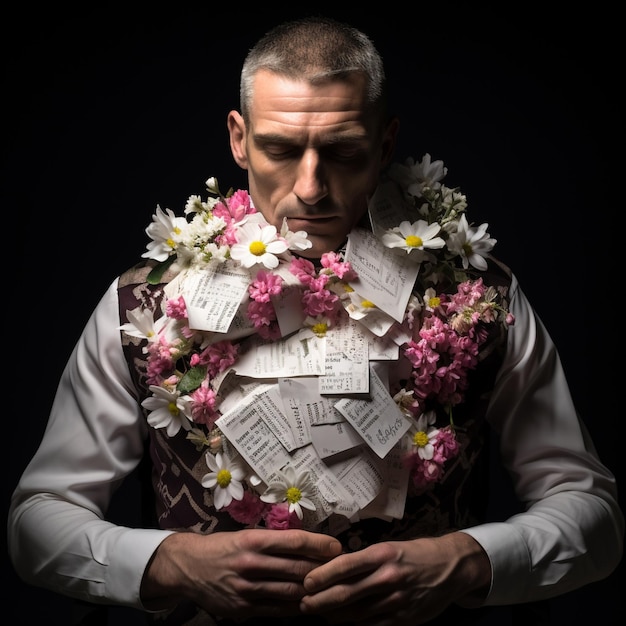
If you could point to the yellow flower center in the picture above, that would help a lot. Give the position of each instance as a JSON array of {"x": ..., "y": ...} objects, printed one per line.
[
  {"x": 347, "y": 288},
  {"x": 467, "y": 247},
  {"x": 368, "y": 304},
  {"x": 223, "y": 478},
  {"x": 413, "y": 241},
  {"x": 293, "y": 495},
  {"x": 257, "y": 248},
  {"x": 171, "y": 243},
  {"x": 173, "y": 409},
  {"x": 434, "y": 302},
  {"x": 320, "y": 329},
  {"x": 420, "y": 439}
]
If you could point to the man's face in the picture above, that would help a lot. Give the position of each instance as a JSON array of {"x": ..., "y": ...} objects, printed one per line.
[{"x": 313, "y": 155}]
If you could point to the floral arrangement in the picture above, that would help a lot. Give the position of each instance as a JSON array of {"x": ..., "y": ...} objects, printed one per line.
[{"x": 446, "y": 318}]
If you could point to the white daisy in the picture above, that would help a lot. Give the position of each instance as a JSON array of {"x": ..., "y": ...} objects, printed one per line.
[
  {"x": 167, "y": 410},
  {"x": 358, "y": 307},
  {"x": 296, "y": 241},
  {"x": 419, "y": 235},
  {"x": 471, "y": 244},
  {"x": 291, "y": 487},
  {"x": 141, "y": 324},
  {"x": 224, "y": 478},
  {"x": 427, "y": 172},
  {"x": 258, "y": 245},
  {"x": 164, "y": 232},
  {"x": 319, "y": 324},
  {"x": 424, "y": 434}
]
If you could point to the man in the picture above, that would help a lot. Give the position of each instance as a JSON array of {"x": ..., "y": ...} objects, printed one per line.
[{"x": 316, "y": 140}]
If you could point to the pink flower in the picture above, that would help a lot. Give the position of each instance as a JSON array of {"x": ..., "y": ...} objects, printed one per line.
[
  {"x": 176, "y": 308},
  {"x": 302, "y": 269},
  {"x": 237, "y": 206},
  {"x": 264, "y": 286},
  {"x": 426, "y": 472},
  {"x": 261, "y": 313},
  {"x": 203, "y": 405},
  {"x": 279, "y": 517},
  {"x": 218, "y": 357},
  {"x": 249, "y": 510},
  {"x": 341, "y": 269}
]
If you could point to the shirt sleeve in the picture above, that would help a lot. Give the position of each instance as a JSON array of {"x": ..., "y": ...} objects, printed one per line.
[
  {"x": 57, "y": 535},
  {"x": 571, "y": 530}
]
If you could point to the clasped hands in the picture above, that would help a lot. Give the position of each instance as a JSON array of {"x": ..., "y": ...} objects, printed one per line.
[{"x": 256, "y": 572}]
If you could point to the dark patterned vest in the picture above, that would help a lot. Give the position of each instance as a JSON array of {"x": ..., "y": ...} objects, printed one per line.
[{"x": 460, "y": 500}]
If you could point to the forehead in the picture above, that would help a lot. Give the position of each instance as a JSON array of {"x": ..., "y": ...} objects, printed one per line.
[{"x": 286, "y": 105}]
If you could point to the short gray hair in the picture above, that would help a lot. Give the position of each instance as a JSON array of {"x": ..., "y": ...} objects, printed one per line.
[{"x": 315, "y": 49}]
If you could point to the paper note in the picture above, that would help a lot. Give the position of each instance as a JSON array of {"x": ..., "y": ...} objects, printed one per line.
[
  {"x": 378, "y": 420},
  {"x": 385, "y": 277},
  {"x": 290, "y": 356},
  {"x": 213, "y": 295}
]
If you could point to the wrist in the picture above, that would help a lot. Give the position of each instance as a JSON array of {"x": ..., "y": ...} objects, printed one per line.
[
  {"x": 160, "y": 585},
  {"x": 473, "y": 570}
]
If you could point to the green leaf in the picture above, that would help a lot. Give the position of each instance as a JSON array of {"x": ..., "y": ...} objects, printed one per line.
[
  {"x": 191, "y": 380},
  {"x": 155, "y": 276}
]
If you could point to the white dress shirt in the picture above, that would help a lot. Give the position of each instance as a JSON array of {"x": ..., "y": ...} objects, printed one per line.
[{"x": 570, "y": 534}]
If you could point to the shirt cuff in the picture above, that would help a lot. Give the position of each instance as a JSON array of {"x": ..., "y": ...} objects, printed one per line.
[
  {"x": 509, "y": 557},
  {"x": 124, "y": 574}
]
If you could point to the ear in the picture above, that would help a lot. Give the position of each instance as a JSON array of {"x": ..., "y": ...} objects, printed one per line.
[
  {"x": 237, "y": 131},
  {"x": 390, "y": 135}
]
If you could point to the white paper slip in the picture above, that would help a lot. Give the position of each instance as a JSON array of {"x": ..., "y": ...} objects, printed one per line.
[
  {"x": 290, "y": 356},
  {"x": 362, "y": 476},
  {"x": 331, "y": 496},
  {"x": 384, "y": 277},
  {"x": 378, "y": 420},
  {"x": 289, "y": 312},
  {"x": 390, "y": 501},
  {"x": 331, "y": 440},
  {"x": 346, "y": 365},
  {"x": 245, "y": 427},
  {"x": 374, "y": 319},
  {"x": 213, "y": 295},
  {"x": 388, "y": 207},
  {"x": 233, "y": 389},
  {"x": 301, "y": 395},
  {"x": 384, "y": 348}
]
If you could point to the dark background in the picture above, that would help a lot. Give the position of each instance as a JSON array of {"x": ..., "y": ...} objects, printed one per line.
[{"x": 109, "y": 112}]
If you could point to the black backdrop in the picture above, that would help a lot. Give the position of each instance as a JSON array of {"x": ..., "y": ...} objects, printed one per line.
[{"x": 109, "y": 112}]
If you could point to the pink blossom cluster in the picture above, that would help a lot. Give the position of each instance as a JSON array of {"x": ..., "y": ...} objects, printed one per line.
[
  {"x": 260, "y": 308},
  {"x": 164, "y": 355},
  {"x": 425, "y": 472},
  {"x": 251, "y": 511},
  {"x": 447, "y": 344},
  {"x": 232, "y": 210},
  {"x": 450, "y": 332},
  {"x": 317, "y": 298}
]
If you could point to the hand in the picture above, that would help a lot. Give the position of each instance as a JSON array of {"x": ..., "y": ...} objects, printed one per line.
[
  {"x": 400, "y": 582},
  {"x": 236, "y": 574}
]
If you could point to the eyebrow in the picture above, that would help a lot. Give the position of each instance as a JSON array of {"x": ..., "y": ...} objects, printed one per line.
[{"x": 335, "y": 138}]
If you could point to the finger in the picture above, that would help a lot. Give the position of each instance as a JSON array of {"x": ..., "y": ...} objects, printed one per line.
[
  {"x": 343, "y": 568},
  {"x": 294, "y": 542},
  {"x": 252, "y": 565}
]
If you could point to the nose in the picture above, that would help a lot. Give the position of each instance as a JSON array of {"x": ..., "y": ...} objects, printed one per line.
[{"x": 310, "y": 185}]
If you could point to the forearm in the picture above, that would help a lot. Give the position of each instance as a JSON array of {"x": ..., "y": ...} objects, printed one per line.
[
  {"x": 165, "y": 582},
  {"x": 70, "y": 550},
  {"x": 541, "y": 553},
  {"x": 463, "y": 565}
]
